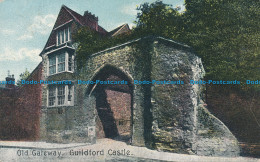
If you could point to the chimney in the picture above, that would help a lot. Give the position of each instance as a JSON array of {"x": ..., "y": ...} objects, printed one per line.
[
  {"x": 92, "y": 20},
  {"x": 10, "y": 81}
]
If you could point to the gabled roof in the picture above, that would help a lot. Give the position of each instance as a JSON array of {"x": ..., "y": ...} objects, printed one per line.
[
  {"x": 67, "y": 15},
  {"x": 80, "y": 19},
  {"x": 119, "y": 30}
]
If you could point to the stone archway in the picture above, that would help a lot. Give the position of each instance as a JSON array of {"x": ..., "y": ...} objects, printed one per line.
[{"x": 113, "y": 94}]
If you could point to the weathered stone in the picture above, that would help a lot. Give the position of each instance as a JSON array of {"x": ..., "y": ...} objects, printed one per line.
[{"x": 168, "y": 117}]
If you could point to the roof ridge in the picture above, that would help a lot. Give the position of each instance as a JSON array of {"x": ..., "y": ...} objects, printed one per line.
[
  {"x": 118, "y": 29},
  {"x": 72, "y": 14}
]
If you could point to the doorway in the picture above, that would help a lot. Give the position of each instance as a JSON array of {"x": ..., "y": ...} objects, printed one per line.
[{"x": 114, "y": 96}]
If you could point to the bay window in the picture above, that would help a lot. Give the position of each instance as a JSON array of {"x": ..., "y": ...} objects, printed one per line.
[{"x": 61, "y": 62}]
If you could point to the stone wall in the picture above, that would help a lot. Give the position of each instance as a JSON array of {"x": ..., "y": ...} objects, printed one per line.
[
  {"x": 121, "y": 58},
  {"x": 180, "y": 121},
  {"x": 167, "y": 117}
]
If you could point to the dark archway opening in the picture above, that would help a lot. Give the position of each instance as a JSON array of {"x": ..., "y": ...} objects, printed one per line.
[{"x": 114, "y": 96}]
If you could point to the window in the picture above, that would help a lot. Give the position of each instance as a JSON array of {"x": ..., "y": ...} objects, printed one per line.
[
  {"x": 60, "y": 63},
  {"x": 52, "y": 65},
  {"x": 69, "y": 92},
  {"x": 52, "y": 94},
  {"x": 70, "y": 63},
  {"x": 63, "y": 36},
  {"x": 60, "y": 95},
  {"x": 67, "y": 35}
]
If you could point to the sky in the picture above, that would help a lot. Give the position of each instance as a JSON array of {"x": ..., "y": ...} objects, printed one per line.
[{"x": 25, "y": 26}]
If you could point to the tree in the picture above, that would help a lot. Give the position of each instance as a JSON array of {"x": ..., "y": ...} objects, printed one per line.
[
  {"x": 225, "y": 34},
  {"x": 23, "y": 76},
  {"x": 158, "y": 19}
]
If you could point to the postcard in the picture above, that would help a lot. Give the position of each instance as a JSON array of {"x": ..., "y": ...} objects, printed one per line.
[{"x": 170, "y": 80}]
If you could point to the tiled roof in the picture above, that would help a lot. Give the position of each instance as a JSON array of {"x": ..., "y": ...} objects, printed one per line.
[
  {"x": 66, "y": 15},
  {"x": 80, "y": 19},
  {"x": 119, "y": 30},
  {"x": 102, "y": 30}
]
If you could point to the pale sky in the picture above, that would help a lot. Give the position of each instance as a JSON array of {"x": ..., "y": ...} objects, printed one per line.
[{"x": 25, "y": 26}]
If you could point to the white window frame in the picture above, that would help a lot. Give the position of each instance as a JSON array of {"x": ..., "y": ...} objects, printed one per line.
[
  {"x": 54, "y": 95},
  {"x": 61, "y": 63},
  {"x": 61, "y": 36},
  {"x": 66, "y": 93},
  {"x": 53, "y": 65},
  {"x": 61, "y": 94},
  {"x": 66, "y": 68}
]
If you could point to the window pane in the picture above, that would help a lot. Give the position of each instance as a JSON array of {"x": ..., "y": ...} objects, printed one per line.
[
  {"x": 58, "y": 35},
  {"x": 62, "y": 36},
  {"x": 52, "y": 61},
  {"x": 52, "y": 65},
  {"x": 61, "y": 67},
  {"x": 61, "y": 62},
  {"x": 61, "y": 100},
  {"x": 61, "y": 90},
  {"x": 70, "y": 63},
  {"x": 52, "y": 70},
  {"x": 52, "y": 94},
  {"x": 69, "y": 93},
  {"x": 61, "y": 58},
  {"x": 61, "y": 94},
  {"x": 66, "y": 34}
]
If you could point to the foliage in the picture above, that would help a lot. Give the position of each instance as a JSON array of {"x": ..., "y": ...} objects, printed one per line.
[
  {"x": 224, "y": 33},
  {"x": 91, "y": 42},
  {"x": 23, "y": 76},
  {"x": 158, "y": 19}
]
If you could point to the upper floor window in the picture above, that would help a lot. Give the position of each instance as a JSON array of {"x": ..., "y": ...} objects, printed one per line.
[
  {"x": 52, "y": 65},
  {"x": 60, "y": 63},
  {"x": 70, "y": 63},
  {"x": 63, "y": 36}
]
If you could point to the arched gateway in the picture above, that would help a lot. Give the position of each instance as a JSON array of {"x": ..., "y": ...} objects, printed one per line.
[
  {"x": 113, "y": 93},
  {"x": 158, "y": 107}
]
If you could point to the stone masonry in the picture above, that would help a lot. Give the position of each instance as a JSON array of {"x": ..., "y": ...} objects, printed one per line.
[{"x": 166, "y": 117}]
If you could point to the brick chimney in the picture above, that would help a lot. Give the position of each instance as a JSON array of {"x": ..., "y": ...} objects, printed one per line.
[
  {"x": 10, "y": 81},
  {"x": 92, "y": 20}
]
